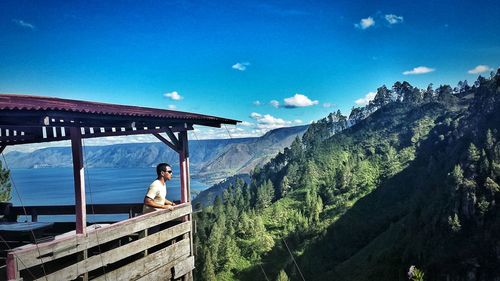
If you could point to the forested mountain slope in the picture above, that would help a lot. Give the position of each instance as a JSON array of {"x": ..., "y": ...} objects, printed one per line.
[{"x": 413, "y": 181}]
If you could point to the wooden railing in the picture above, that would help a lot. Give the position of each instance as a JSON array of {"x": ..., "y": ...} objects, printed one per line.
[
  {"x": 118, "y": 251},
  {"x": 131, "y": 209}
]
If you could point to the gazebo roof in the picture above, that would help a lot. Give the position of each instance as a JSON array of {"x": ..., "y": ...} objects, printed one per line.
[{"x": 34, "y": 119}]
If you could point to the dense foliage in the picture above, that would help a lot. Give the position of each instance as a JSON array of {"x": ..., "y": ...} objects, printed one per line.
[
  {"x": 411, "y": 179},
  {"x": 5, "y": 185}
]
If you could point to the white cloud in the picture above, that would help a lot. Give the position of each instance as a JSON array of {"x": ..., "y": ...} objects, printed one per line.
[
  {"x": 299, "y": 100},
  {"x": 172, "y": 106},
  {"x": 24, "y": 24},
  {"x": 275, "y": 103},
  {"x": 480, "y": 69},
  {"x": 173, "y": 95},
  {"x": 256, "y": 103},
  {"x": 419, "y": 70},
  {"x": 241, "y": 66},
  {"x": 202, "y": 133},
  {"x": 268, "y": 122},
  {"x": 246, "y": 124},
  {"x": 255, "y": 115},
  {"x": 365, "y": 23},
  {"x": 263, "y": 124},
  {"x": 393, "y": 19},
  {"x": 328, "y": 105},
  {"x": 364, "y": 101}
]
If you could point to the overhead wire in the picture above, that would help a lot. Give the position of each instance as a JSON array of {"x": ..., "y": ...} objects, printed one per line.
[
  {"x": 25, "y": 214},
  {"x": 265, "y": 275},
  {"x": 87, "y": 176},
  {"x": 20, "y": 260},
  {"x": 295, "y": 262}
]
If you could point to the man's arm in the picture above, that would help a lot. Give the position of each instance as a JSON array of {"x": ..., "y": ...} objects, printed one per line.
[
  {"x": 151, "y": 203},
  {"x": 169, "y": 203}
]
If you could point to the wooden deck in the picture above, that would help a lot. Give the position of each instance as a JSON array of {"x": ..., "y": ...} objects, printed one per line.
[
  {"x": 115, "y": 251},
  {"x": 154, "y": 246}
]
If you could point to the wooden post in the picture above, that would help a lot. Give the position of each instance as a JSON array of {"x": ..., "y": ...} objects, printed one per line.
[
  {"x": 79, "y": 179},
  {"x": 11, "y": 263},
  {"x": 185, "y": 182},
  {"x": 184, "y": 167},
  {"x": 2, "y": 147}
]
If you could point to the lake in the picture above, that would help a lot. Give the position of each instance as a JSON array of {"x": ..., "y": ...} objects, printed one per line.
[{"x": 54, "y": 186}]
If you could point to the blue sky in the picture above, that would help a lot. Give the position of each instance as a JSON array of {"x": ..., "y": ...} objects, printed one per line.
[{"x": 267, "y": 63}]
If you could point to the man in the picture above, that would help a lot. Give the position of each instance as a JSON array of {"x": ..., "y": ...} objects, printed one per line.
[{"x": 155, "y": 198}]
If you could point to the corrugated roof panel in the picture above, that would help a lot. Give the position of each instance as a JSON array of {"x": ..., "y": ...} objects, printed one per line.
[{"x": 38, "y": 103}]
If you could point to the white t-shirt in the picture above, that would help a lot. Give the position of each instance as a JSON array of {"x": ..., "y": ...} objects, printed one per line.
[{"x": 158, "y": 192}]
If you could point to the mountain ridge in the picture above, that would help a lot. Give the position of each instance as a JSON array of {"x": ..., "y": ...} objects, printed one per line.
[{"x": 205, "y": 155}]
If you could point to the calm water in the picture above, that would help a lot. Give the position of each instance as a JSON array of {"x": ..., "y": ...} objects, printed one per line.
[{"x": 54, "y": 186}]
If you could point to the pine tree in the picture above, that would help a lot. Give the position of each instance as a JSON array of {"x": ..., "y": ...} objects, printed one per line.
[
  {"x": 265, "y": 195},
  {"x": 208, "y": 269},
  {"x": 473, "y": 153},
  {"x": 284, "y": 187},
  {"x": 491, "y": 186},
  {"x": 457, "y": 176},
  {"x": 490, "y": 141}
]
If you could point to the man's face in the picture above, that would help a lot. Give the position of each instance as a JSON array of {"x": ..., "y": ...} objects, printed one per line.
[{"x": 167, "y": 174}]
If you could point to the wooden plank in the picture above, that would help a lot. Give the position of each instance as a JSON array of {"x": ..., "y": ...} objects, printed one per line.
[
  {"x": 162, "y": 273},
  {"x": 189, "y": 276},
  {"x": 172, "y": 137},
  {"x": 142, "y": 269},
  {"x": 184, "y": 267},
  {"x": 167, "y": 142},
  {"x": 39, "y": 139},
  {"x": 32, "y": 255},
  {"x": 71, "y": 272},
  {"x": 79, "y": 179}
]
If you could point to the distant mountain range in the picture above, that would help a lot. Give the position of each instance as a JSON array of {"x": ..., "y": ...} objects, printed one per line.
[{"x": 210, "y": 160}]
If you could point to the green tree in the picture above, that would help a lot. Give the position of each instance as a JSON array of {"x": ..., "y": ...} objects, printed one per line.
[
  {"x": 484, "y": 164},
  {"x": 296, "y": 151},
  {"x": 490, "y": 141},
  {"x": 282, "y": 276},
  {"x": 457, "y": 176},
  {"x": 208, "y": 269},
  {"x": 5, "y": 184},
  {"x": 265, "y": 195},
  {"x": 318, "y": 208},
  {"x": 473, "y": 154},
  {"x": 391, "y": 164},
  {"x": 284, "y": 186},
  {"x": 454, "y": 223},
  {"x": 415, "y": 274},
  {"x": 491, "y": 186}
]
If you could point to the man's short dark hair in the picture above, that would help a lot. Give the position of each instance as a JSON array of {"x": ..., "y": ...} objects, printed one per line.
[{"x": 161, "y": 168}]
